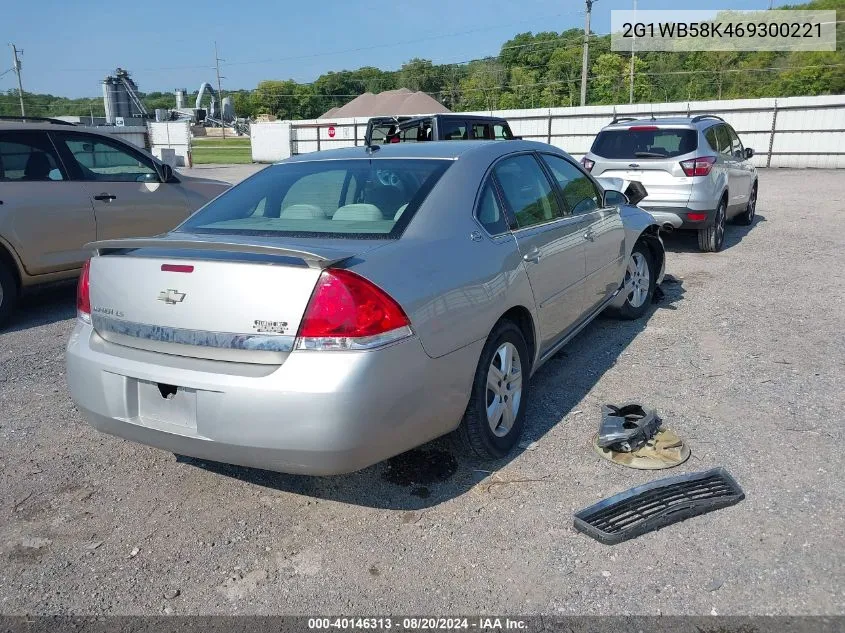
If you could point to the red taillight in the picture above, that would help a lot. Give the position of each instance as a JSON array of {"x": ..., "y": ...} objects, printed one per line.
[
  {"x": 587, "y": 163},
  {"x": 83, "y": 293},
  {"x": 348, "y": 312},
  {"x": 643, "y": 128},
  {"x": 698, "y": 166},
  {"x": 696, "y": 217}
]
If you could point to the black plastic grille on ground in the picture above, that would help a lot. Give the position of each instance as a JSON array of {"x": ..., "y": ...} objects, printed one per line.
[{"x": 657, "y": 504}]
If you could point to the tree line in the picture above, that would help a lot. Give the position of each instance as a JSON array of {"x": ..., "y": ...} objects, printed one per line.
[{"x": 531, "y": 71}]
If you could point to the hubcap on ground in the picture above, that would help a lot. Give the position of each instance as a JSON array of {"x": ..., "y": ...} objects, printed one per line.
[
  {"x": 504, "y": 389},
  {"x": 637, "y": 280}
]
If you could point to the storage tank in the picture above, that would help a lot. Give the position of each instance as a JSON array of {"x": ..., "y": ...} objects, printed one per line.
[
  {"x": 227, "y": 110},
  {"x": 108, "y": 100},
  {"x": 180, "y": 98}
]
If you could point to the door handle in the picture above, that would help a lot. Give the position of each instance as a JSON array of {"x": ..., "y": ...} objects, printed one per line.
[
  {"x": 589, "y": 235},
  {"x": 532, "y": 256},
  {"x": 106, "y": 197}
]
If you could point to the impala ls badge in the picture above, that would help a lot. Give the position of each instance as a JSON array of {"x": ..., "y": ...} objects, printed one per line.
[{"x": 171, "y": 296}]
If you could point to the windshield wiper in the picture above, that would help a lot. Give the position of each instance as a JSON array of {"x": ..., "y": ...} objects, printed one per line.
[{"x": 649, "y": 155}]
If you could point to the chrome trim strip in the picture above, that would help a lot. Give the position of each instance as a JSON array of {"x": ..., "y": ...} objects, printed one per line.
[{"x": 200, "y": 338}]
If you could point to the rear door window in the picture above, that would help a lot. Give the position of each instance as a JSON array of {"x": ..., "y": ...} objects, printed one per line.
[
  {"x": 712, "y": 140},
  {"x": 644, "y": 142},
  {"x": 482, "y": 131},
  {"x": 736, "y": 145},
  {"x": 28, "y": 156},
  {"x": 723, "y": 137},
  {"x": 453, "y": 130},
  {"x": 527, "y": 191}
]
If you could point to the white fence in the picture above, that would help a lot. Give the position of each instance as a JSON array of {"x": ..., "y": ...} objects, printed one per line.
[
  {"x": 786, "y": 132},
  {"x": 171, "y": 135}
]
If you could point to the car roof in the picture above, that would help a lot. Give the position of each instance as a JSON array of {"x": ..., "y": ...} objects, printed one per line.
[{"x": 429, "y": 149}]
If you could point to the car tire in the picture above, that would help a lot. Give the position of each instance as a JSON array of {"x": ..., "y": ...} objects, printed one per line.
[
  {"x": 638, "y": 285},
  {"x": 746, "y": 218},
  {"x": 8, "y": 293},
  {"x": 492, "y": 432},
  {"x": 712, "y": 238}
]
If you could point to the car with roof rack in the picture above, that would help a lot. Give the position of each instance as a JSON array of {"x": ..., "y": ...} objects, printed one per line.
[
  {"x": 63, "y": 185},
  {"x": 696, "y": 171}
]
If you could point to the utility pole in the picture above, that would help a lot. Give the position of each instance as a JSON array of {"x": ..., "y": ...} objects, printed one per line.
[
  {"x": 633, "y": 55},
  {"x": 17, "y": 68},
  {"x": 217, "y": 61},
  {"x": 586, "y": 61}
]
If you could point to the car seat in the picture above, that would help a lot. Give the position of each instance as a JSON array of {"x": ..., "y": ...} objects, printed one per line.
[
  {"x": 37, "y": 167},
  {"x": 388, "y": 198}
]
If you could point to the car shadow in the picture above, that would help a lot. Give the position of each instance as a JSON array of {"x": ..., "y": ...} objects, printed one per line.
[
  {"x": 687, "y": 241},
  {"x": 438, "y": 471},
  {"x": 42, "y": 306}
]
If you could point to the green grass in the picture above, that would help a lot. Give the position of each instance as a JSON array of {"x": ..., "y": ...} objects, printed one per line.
[{"x": 207, "y": 150}]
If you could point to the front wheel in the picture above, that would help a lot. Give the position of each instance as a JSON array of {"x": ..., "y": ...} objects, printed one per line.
[
  {"x": 638, "y": 285},
  {"x": 747, "y": 217},
  {"x": 495, "y": 415}
]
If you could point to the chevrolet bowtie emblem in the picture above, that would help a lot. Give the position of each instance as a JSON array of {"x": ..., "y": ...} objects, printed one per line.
[{"x": 171, "y": 296}]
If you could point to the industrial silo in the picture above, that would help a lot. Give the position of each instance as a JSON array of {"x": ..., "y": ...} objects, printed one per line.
[{"x": 108, "y": 100}]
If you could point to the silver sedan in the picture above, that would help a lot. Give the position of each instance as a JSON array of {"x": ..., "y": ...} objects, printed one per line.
[{"x": 342, "y": 307}]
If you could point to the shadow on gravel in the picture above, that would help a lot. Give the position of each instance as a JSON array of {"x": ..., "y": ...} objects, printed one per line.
[
  {"x": 42, "y": 306},
  {"x": 436, "y": 472},
  {"x": 687, "y": 241}
]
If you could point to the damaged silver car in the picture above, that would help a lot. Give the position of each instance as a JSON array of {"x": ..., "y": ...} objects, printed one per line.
[{"x": 342, "y": 307}]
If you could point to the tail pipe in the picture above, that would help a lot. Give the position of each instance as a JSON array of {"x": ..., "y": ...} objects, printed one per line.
[{"x": 667, "y": 227}]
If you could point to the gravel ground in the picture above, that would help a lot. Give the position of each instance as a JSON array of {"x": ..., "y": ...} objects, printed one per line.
[{"x": 744, "y": 358}]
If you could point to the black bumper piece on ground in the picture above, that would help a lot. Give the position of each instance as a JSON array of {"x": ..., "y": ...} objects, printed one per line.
[{"x": 658, "y": 504}]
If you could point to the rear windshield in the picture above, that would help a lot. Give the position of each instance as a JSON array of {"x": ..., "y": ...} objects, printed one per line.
[
  {"x": 657, "y": 143},
  {"x": 337, "y": 198}
]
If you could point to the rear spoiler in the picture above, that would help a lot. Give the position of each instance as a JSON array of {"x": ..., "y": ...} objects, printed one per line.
[{"x": 322, "y": 257}]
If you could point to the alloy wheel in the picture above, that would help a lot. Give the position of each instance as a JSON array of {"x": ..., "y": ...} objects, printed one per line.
[
  {"x": 504, "y": 389},
  {"x": 637, "y": 280}
]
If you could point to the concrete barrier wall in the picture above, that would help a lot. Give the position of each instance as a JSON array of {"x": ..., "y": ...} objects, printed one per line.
[{"x": 786, "y": 132}]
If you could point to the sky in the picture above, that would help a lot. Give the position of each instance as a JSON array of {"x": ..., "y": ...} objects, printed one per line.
[{"x": 70, "y": 45}]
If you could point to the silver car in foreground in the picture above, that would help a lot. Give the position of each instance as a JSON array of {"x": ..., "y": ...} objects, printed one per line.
[
  {"x": 697, "y": 173},
  {"x": 343, "y": 307}
]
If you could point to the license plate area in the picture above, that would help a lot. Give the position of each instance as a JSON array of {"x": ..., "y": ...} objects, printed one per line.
[{"x": 168, "y": 404}]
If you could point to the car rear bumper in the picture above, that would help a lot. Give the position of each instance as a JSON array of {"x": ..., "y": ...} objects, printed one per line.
[
  {"x": 318, "y": 413},
  {"x": 679, "y": 217}
]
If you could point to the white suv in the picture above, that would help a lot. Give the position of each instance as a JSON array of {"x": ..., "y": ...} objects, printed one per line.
[{"x": 695, "y": 170}]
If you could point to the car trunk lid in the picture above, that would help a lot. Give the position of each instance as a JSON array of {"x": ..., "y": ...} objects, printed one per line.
[{"x": 237, "y": 299}]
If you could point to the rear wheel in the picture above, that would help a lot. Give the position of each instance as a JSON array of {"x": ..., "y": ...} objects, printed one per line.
[
  {"x": 8, "y": 292},
  {"x": 638, "y": 285},
  {"x": 712, "y": 238},
  {"x": 495, "y": 415},
  {"x": 747, "y": 217}
]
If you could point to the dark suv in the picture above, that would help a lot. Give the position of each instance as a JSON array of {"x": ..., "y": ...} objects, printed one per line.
[{"x": 436, "y": 127}]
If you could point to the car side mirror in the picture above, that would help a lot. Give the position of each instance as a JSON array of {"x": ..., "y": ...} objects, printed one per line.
[
  {"x": 749, "y": 153},
  {"x": 166, "y": 173},
  {"x": 635, "y": 192},
  {"x": 614, "y": 198}
]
